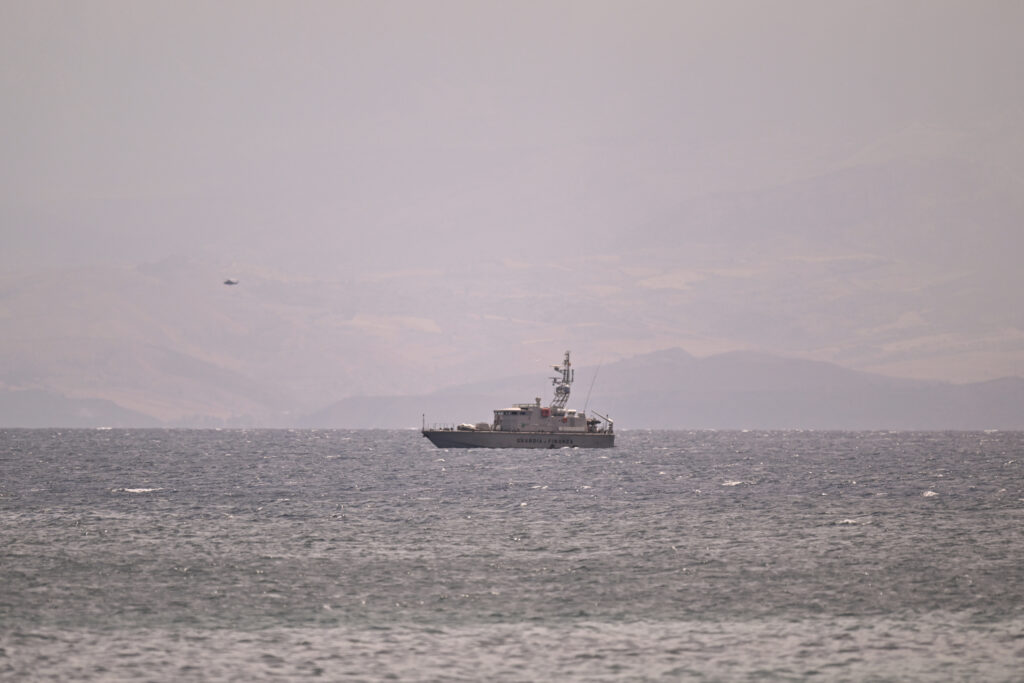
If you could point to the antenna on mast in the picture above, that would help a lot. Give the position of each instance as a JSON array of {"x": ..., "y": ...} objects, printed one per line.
[
  {"x": 562, "y": 382},
  {"x": 593, "y": 379}
]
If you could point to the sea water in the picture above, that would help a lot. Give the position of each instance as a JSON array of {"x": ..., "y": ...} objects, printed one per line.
[{"x": 371, "y": 555}]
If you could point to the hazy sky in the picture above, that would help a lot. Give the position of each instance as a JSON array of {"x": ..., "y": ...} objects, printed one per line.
[{"x": 835, "y": 180}]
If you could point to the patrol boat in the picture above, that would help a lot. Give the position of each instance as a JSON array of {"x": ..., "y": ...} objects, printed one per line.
[{"x": 531, "y": 425}]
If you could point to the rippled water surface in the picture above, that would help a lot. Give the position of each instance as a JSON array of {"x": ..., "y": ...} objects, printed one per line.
[{"x": 246, "y": 555}]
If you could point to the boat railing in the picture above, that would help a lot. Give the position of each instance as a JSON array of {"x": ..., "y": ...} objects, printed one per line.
[{"x": 451, "y": 427}]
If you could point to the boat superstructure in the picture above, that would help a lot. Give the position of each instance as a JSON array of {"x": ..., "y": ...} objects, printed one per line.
[{"x": 531, "y": 425}]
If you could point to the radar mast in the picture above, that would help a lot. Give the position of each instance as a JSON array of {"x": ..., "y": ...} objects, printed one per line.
[{"x": 562, "y": 382}]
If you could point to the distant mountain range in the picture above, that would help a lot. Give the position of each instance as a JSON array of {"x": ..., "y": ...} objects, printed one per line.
[
  {"x": 34, "y": 408},
  {"x": 741, "y": 390},
  {"x": 901, "y": 260},
  {"x": 668, "y": 389}
]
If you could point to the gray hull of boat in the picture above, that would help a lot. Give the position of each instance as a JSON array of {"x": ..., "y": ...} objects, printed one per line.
[{"x": 449, "y": 438}]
